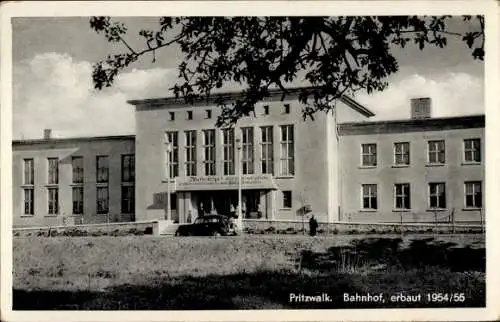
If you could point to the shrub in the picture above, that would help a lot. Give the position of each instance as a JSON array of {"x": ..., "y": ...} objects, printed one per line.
[
  {"x": 320, "y": 231},
  {"x": 270, "y": 229},
  {"x": 16, "y": 234}
]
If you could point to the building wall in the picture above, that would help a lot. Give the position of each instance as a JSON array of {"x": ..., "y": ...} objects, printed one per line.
[
  {"x": 419, "y": 174},
  {"x": 314, "y": 180},
  {"x": 64, "y": 150}
]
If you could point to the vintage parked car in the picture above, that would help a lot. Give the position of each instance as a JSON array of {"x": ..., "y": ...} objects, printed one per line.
[{"x": 209, "y": 225}]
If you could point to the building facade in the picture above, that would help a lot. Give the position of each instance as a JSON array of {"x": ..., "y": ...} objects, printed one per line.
[
  {"x": 73, "y": 181},
  {"x": 340, "y": 166}
]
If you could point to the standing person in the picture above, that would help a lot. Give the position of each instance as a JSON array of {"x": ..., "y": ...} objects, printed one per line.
[{"x": 313, "y": 225}]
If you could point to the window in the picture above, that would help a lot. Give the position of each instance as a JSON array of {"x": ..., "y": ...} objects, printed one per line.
[
  {"x": 473, "y": 195},
  {"x": 402, "y": 153},
  {"x": 437, "y": 195},
  {"x": 369, "y": 192},
  {"x": 402, "y": 196},
  {"x": 267, "y": 149},
  {"x": 128, "y": 199},
  {"x": 287, "y": 199},
  {"x": 369, "y": 155},
  {"x": 128, "y": 168},
  {"x": 266, "y": 109},
  {"x": 472, "y": 150},
  {"x": 172, "y": 116},
  {"x": 436, "y": 152},
  {"x": 287, "y": 150},
  {"x": 247, "y": 150},
  {"x": 287, "y": 109},
  {"x": 208, "y": 114},
  {"x": 228, "y": 151},
  {"x": 29, "y": 201},
  {"x": 189, "y": 115},
  {"x": 102, "y": 200},
  {"x": 53, "y": 200},
  {"x": 29, "y": 172},
  {"x": 53, "y": 170},
  {"x": 102, "y": 171},
  {"x": 172, "y": 152},
  {"x": 209, "y": 152},
  {"x": 77, "y": 200},
  {"x": 190, "y": 153},
  {"x": 77, "y": 165}
]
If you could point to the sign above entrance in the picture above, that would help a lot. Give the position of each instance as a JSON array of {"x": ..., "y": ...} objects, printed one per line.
[{"x": 262, "y": 181}]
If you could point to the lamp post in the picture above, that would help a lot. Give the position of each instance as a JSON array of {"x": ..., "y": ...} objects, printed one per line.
[
  {"x": 167, "y": 164},
  {"x": 239, "y": 222}
]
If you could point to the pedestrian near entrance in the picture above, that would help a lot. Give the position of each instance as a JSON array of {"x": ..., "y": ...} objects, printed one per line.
[{"x": 313, "y": 225}]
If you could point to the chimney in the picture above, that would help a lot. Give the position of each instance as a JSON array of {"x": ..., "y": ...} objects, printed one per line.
[
  {"x": 421, "y": 108},
  {"x": 47, "y": 134}
]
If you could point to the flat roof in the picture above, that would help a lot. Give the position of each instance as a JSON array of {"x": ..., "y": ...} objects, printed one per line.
[
  {"x": 74, "y": 139},
  {"x": 412, "y": 125},
  {"x": 274, "y": 95}
]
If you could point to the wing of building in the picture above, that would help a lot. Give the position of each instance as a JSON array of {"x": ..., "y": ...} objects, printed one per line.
[{"x": 179, "y": 166}]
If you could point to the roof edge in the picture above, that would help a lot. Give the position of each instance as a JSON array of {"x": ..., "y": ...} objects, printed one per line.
[
  {"x": 74, "y": 139},
  {"x": 232, "y": 95}
]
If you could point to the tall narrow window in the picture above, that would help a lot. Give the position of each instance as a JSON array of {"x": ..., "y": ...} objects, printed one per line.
[
  {"x": 369, "y": 155},
  {"x": 29, "y": 172},
  {"x": 247, "y": 150},
  {"x": 29, "y": 201},
  {"x": 53, "y": 200},
  {"x": 472, "y": 150},
  {"x": 402, "y": 196},
  {"x": 437, "y": 195},
  {"x": 266, "y": 109},
  {"x": 53, "y": 170},
  {"x": 77, "y": 165},
  {"x": 77, "y": 200},
  {"x": 128, "y": 199},
  {"x": 287, "y": 199},
  {"x": 190, "y": 153},
  {"x": 369, "y": 192},
  {"x": 228, "y": 151},
  {"x": 402, "y": 153},
  {"x": 189, "y": 115},
  {"x": 102, "y": 169},
  {"x": 287, "y": 108},
  {"x": 102, "y": 200},
  {"x": 172, "y": 116},
  {"x": 173, "y": 154},
  {"x": 436, "y": 152},
  {"x": 128, "y": 168},
  {"x": 208, "y": 114},
  {"x": 209, "y": 152},
  {"x": 473, "y": 194},
  {"x": 287, "y": 150},
  {"x": 267, "y": 149}
]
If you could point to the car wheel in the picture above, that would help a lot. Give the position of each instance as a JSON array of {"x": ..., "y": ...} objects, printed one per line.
[{"x": 215, "y": 234}]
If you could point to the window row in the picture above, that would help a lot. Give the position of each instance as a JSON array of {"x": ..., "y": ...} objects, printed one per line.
[
  {"x": 229, "y": 147},
  {"x": 102, "y": 200},
  {"x": 436, "y": 196},
  {"x": 435, "y": 152},
  {"x": 208, "y": 112},
  {"x": 102, "y": 170}
]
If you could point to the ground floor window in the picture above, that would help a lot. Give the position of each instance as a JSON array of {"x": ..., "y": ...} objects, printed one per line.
[
  {"x": 128, "y": 199},
  {"x": 102, "y": 200},
  {"x": 287, "y": 199},
  {"x": 53, "y": 201},
  {"x": 29, "y": 201},
  {"x": 402, "y": 196},
  {"x": 369, "y": 192},
  {"x": 78, "y": 200},
  {"x": 437, "y": 195},
  {"x": 473, "y": 195}
]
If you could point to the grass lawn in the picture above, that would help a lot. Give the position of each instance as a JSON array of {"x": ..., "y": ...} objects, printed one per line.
[{"x": 253, "y": 272}]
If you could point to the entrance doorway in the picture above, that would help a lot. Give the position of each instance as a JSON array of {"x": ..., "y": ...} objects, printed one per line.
[{"x": 225, "y": 203}]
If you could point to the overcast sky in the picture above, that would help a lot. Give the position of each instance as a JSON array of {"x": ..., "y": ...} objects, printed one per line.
[{"x": 52, "y": 66}]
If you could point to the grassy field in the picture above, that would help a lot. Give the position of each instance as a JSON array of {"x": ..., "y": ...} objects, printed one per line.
[{"x": 257, "y": 272}]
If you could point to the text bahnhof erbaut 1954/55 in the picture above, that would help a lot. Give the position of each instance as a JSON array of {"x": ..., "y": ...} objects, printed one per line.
[{"x": 398, "y": 297}]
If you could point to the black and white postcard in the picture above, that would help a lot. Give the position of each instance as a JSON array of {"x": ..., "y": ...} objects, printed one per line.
[{"x": 250, "y": 161}]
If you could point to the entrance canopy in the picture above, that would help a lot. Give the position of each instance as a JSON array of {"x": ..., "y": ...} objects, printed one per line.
[{"x": 250, "y": 181}]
